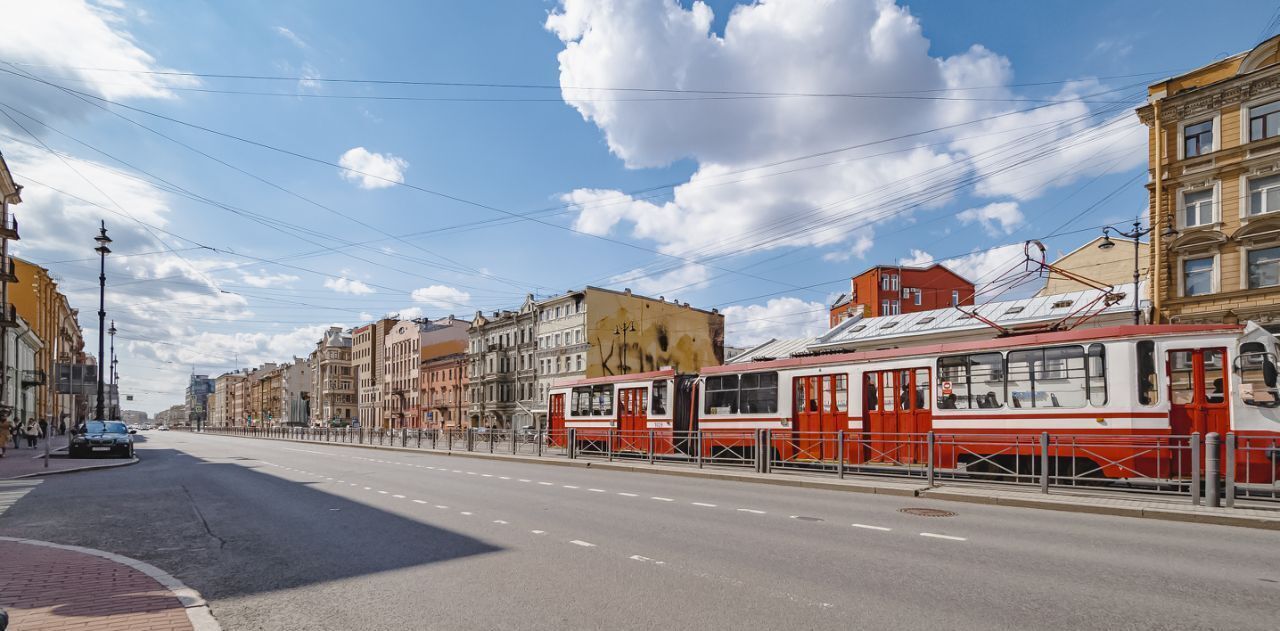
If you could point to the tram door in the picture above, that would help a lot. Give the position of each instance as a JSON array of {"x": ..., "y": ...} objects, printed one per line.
[
  {"x": 633, "y": 420},
  {"x": 555, "y": 420},
  {"x": 1198, "y": 392},
  {"x": 821, "y": 409},
  {"x": 898, "y": 412}
]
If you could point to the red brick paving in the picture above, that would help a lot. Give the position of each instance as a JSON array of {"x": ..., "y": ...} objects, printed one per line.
[{"x": 51, "y": 589}]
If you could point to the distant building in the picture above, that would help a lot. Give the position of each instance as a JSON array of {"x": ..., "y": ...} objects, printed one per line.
[
  {"x": 501, "y": 376},
  {"x": 229, "y": 394},
  {"x": 896, "y": 289},
  {"x": 404, "y": 347},
  {"x": 133, "y": 417},
  {"x": 1110, "y": 266},
  {"x": 367, "y": 364},
  {"x": 199, "y": 387},
  {"x": 443, "y": 385},
  {"x": 295, "y": 392},
  {"x": 333, "y": 388}
]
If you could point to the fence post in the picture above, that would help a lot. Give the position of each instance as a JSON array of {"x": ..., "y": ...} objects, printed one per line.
[
  {"x": 491, "y": 439},
  {"x": 929, "y": 442},
  {"x": 540, "y": 437},
  {"x": 699, "y": 449},
  {"x": 1211, "y": 470},
  {"x": 1195, "y": 469},
  {"x": 573, "y": 442},
  {"x": 608, "y": 447},
  {"x": 514, "y": 449},
  {"x": 1229, "y": 499},
  {"x": 1044, "y": 462},
  {"x": 652, "y": 435},
  {"x": 758, "y": 451},
  {"x": 840, "y": 454}
]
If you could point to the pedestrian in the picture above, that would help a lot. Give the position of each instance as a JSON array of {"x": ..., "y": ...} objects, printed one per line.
[
  {"x": 44, "y": 429},
  {"x": 4, "y": 435},
  {"x": 62, "y": 427},
  {"x": 32, "y": 432}
]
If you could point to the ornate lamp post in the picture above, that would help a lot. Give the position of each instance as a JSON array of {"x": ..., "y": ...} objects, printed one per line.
[
  {"x": 102, "y": 250},
  {"x": 112, "y": 332},
  {"x": 1137, "y": 232}
]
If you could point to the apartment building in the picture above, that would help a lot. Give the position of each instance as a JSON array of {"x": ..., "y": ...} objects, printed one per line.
[
  {"x": 887, "y": 290},
  {"x": 333, "y": 388},
  {"x": 367, "y": 361},
  {"x": 404, "y": 348},
  {"x": 443, "y": 388},
  {"x": 501, "y": 374}
]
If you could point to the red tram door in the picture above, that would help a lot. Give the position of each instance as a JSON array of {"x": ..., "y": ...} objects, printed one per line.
[
  {"x": 555, "y": 420},
  {"x": 821, "y": 409},
  {"x": 899, "y": 411},
  {"x": 633, "y": 421},
  {"x": 1198, "y": 393}
]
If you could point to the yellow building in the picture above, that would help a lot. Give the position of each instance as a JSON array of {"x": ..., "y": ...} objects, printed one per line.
[
  {"x": 1111, "y": 265},
  {"x": 37, "y": 300},
  {"x": 1214, "y": 155}
]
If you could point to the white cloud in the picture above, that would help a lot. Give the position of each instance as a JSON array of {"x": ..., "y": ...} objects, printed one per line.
[
  {"x": 441, "y": 296},
  {"x": 265, "y": 279},
  {"x": 372, "y": 170},
  {"x": 410, "y": 313},
  {"x": 291, "y": 37},
  {"x": 685, "y": 278},
  {"x": 981, "y": 266},
  {"x": 73, "y": 35},
  {"x": 918, "y": 258},
  {"x": 861, "y": 245},
  {"x": 347, "y": 285},
  {"x": 997, "y": 218},
  {"x": 309, "y": 81},
  {"x": 782, "y": 318}
]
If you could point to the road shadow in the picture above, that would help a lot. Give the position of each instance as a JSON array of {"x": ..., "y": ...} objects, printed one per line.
[{"x": 228, "y": 528}]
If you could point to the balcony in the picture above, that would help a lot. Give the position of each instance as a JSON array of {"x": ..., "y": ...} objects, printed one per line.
[
  {"x": 9, "y": 275},
  {"x": 9, "y": 317},
  {"x": 10, "y": 231}
]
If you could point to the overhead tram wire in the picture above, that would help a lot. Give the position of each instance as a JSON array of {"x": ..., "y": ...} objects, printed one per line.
[{"x": 460, "y": 199}]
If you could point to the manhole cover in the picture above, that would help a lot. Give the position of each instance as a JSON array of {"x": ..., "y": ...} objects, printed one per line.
[
  {"x": 927, "y": 512},
  {"x": 806, "y": 518}
]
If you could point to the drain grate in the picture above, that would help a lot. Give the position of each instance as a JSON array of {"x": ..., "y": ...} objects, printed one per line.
[{"x": 927, "y": 512}]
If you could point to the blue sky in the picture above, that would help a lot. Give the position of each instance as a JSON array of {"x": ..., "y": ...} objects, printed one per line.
[{"x": 209, "y": 289}]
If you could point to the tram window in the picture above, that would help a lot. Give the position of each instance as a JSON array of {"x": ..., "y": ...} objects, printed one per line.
[
  {"x": 1214, "y": 377},
  {"x": 904, "y": 389},
  {"x": 722, "y": 394},
  {"x": 1181, "y": 381},
  {"x": 602, "y": 401},
  {"x": 1048, "y": 378},
  {"x": 1257, "y": 370},
  {"x": 581, "y": 401},
  {"x": 828, "y": 395},
  {"x": 1147, "y": 392},
  {"x": 842, "y": 393},
  {"x": 759, "y": 392},
  {"x": 1097, "y": 371},
  {"x": 659, "y": 395},
  {"x": 869, "y": 387},
  {"x": 976, "y": 381},
  {"x": 887, "y": 398},
  {"x": 922, "y": 389}
]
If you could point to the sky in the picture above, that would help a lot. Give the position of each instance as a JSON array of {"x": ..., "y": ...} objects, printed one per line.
[{"x": 268, "y": 170}]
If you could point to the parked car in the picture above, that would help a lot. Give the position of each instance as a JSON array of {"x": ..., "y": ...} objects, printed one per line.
[
  {"x": 163, "y": 428},
  {"x": 102, "y": 437}
]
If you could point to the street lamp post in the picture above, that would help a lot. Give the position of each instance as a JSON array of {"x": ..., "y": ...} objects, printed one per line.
[
  {"x": 112, "y": 332},
  {"x": 102, "y": 251},
  {"x": 1137, "y": 232}
]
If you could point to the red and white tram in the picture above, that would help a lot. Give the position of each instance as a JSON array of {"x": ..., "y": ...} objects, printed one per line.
[{"x": 1120, "y": 382}]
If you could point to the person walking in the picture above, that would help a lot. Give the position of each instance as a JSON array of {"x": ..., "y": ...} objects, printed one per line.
[
  {"x": 4, "y": 435},
  {"x": 62, "y": 427},
  {"x": 44, "y": 429},
  {"x": 32, "y": 433}
]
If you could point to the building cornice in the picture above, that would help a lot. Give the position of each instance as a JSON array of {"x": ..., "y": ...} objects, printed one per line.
[{"x": 1214, "y": 97}]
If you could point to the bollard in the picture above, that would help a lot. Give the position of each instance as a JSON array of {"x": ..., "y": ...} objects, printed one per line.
[
  {"x": 491, "y": 439},
  {"x": 1229, "y": 499},
  {"x": 573, "y": 442},
  {"x": 1211, "y": 469},
  {"x": 539, "y": 438},
  {"x": 1044, "y": 462},
  {"x": 651, "y": 446},
  {"x": 840, "y": 454},
  {"x": 929, "y": 442},
  {"x": 1195, "y": 469}
]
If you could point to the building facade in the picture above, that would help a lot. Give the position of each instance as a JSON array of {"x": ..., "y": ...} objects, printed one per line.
[
  {"x": 896, "y": 289},
  {"x": 367, "y": 362},
  {"x": 295, "y": 393},
  {"x": 37, "y": 300},
  {"x": 406, "y": 344},
  {"x": 333, "y": 387},
  {"x": 501, "y": 375},
  {"x": 199, "y": 387},
  {"x": 1214, "y": 190},
  {"x": 228, "y": 407},
  {"x": 1111, "y": 265},
  {"x": 21, "y": 347},
  {"x": 443, "y": 390}
]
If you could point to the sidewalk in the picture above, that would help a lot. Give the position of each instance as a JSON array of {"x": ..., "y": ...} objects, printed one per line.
[
  {"x": 47, "y": 586},
  {"x": 24, "y": 462}
]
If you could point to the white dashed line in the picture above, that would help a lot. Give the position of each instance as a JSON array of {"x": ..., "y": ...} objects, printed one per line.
[
  {"x": 868, "y": 527},
  {"x": 628, "y": 494},
  {"x": 441, "y": 506},
  {"x": 703, "y": 504},
  {"x": 398, "y": 495},
  {"x": 464, "y": 512},
  {"x": 547, "y": 483},
  {"x": 569, "y": 486},
  {"x": 538, "y": 532},
  {"x": 585, "y": 544},
  {"x": 383, "y": 492},
  {"x": 503, "y": 477},
  {"x": 418, "y": 502},
  {"x": 499, "y": 521},
  {"x": 597, "y": 490},
  {"x": 368, "y": 488},
  {"x": 456, "y": 470},
  {"x": 938, "y": 536},
  {"x": 524, "y": 480},
  {"x": 472, "y": 473},
  {"x": 751, "y": 510},
  {"x": 486, "y": 475},
  {"x": 636, "y": 557}
]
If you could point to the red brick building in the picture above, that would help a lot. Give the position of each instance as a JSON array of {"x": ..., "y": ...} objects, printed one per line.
[
  {"x": 894, "y": 289},
  {"x": 444, "y": 386}
]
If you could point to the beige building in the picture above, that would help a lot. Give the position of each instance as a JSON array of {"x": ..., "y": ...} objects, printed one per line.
[
  {"x": 226, "y": 407},
  {"x": 367, "y": 362},
  {"x": 405, "y": 346},
  {"x": 1107, "y": 265},
  {"x": 1214, "y": 156},
  {"x": 501, "y": 372},
  {"x": 333, "y": 387}
]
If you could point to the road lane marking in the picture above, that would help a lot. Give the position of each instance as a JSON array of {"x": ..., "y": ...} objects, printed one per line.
[
  {"x": 585, "y": 544},
  {"x": 869, "y": 527},
  {"x": 538, "y": 532},
  {"x": 368, "y": 488},
  {"x": 383, "y": 492},
  {"x": 486, "y": 475},
  {"x": 398, "y": 495},
  {"x": 643, "y": 559},
  {"x": 547, "y": 483},
  {"x": 569, "y": 486},
  {"x": 499, "y": 521},
  {"x": 627, "y": 494},
  {"x": 662, "y": 499},
  {"x": 418, "y": 502},
  {"x": 751, "y": 510},
  {"x": 457, "y": 470},
  {"x": 464, "y": 512},
  {"x": 441, "y": 506},
  {"x": 597, "y": 490},
  {"x": 703, "y": 504},
  {"x": 503, "y": 477},
  {"x": 938, "y": 536}
]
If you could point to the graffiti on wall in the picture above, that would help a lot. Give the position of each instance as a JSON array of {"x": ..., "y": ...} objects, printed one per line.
[{"x": 629, "y": 334}]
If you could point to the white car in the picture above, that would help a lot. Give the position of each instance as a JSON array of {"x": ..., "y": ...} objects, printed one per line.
[{"x": 163, "y": 428}]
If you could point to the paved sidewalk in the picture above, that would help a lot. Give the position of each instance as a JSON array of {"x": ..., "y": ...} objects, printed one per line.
[
  {"x": 47, "y": 586},
  {"x": 22, "y": 462}
]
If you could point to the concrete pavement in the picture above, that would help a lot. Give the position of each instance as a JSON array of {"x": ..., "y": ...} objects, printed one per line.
[{"x": 287, "y": 536}]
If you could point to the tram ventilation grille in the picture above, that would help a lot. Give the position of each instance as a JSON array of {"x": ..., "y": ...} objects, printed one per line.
[{"x": 927, "y": 512}]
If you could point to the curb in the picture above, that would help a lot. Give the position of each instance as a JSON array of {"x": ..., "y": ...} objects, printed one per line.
[
  {"x": 108, "y": 465},
  {"x": 1054, "y": 503},
  {"x": 196, "y": 607}
]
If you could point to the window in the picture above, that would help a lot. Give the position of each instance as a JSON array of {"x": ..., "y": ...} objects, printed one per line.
[
  {"x": 968, "y": 382},
  {"x": 1197, "y": 277},
  {"x": 722, "y": 394},
  {"x": 884, "y": 307},
  {"x": 557, "y": 339},
  {"x": 580, "y": 363},
  {"x": 1264, "y": 268},
  {"x": 1147, "y": 393},
  {"x": 1257, "y": 368},
  {"x": 884, "y": 282},
  {"x": 1197, "y": 139},
  {"x": 955, "y": 298},
  {"x": 842, "y": 393},
  {"x": 1264, "y": 195},
  {"x": 919, "y": 297},
  {"x": 758, "y": 393},
  {"x": 1197, "y": 208},
  {"x": 1047, "y": 378},
  {"x": 1096, "y": 371},
  {"x": 894, "y": 280},
  {"x": 658, "y": 392},
  {"x": 557, "y": 312},
  {"x": 592, "y": 401},
  {"x": 1264, "y": 121}
]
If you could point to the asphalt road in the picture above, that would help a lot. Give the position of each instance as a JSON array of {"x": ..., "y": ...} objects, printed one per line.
[{"x": 293, "y": 536}]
